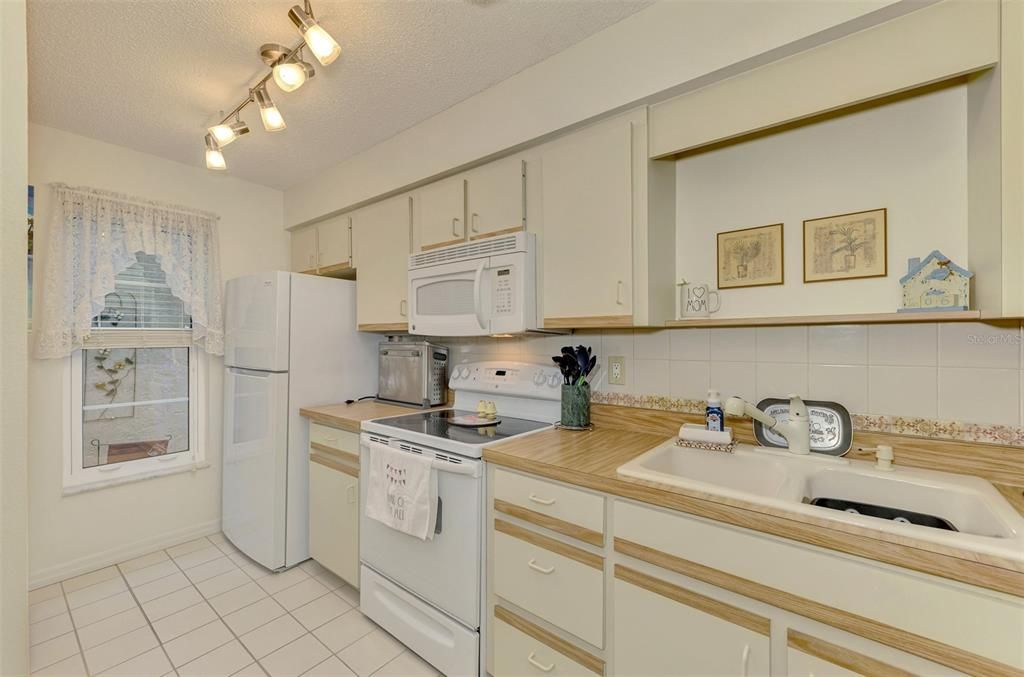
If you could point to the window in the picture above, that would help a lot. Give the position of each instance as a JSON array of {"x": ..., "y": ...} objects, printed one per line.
[{"x": 134, "y": 409}]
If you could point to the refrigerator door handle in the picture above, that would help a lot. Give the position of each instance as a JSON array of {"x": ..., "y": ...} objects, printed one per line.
[{"x": 250, "y": 372}]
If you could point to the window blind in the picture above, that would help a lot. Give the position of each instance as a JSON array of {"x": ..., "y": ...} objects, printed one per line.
[{"x": 141, "y": 312}]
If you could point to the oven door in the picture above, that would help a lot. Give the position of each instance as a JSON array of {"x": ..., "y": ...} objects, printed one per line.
[
  {"x": 444, "y": 571},
  {"x": 450, "y": 300}
]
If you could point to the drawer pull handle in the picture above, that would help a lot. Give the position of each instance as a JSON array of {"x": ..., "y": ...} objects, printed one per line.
[
  {"x": 536, "y": 567},
  {"x": 542, "y": 501},
  {"x": 330, "y": 439},
  {"x": 537, "y": 664},
  {"x": 746, "y": 659}
]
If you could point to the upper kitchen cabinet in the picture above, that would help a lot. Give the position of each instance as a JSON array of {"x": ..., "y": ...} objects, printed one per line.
[
  {"x": 334, "y": 248},
  {"x": 608, "y": 228},
  {"x": 380, "y": 247},
  {"x": 496, "y": 197},
  {"x": 304, "y": 252},
  {"x": 439, "y": 213},
  {"x": 324, "y": 248}
]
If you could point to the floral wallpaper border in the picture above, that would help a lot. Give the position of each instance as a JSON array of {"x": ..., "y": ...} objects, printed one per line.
[{"x": 959, "y": 431}]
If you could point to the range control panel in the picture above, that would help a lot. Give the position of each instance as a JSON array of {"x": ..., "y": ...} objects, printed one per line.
[{"x": 519, "y": 379}]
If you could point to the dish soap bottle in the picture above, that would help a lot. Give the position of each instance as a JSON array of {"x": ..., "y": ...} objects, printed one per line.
[{"x": 714, "y": 417}]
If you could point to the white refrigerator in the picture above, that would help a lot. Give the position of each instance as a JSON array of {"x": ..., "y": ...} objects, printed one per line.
[{"x": 290, "y": 341}]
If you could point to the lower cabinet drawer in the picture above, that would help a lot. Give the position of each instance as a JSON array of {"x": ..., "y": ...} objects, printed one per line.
[
  {"x": 342, "y": 440},
  {"x": 517, "y": 654},
  {"x": 574, "y": 506},
  {"x": 558, "y": 582}
]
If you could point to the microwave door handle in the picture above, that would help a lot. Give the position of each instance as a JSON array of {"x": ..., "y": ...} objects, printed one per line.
[{"x": 478, "y": 279}]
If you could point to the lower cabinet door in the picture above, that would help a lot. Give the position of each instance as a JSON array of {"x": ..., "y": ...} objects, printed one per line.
[
  {"x": 662, "y": 629},
  {"x": 334, "y": 521}
]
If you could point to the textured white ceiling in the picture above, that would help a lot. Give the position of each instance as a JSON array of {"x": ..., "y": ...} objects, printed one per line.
[{"x": 152, "y": 74}]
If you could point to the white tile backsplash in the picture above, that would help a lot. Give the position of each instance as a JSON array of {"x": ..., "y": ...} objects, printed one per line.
[
  {"x": 651, "y": 377},
  {"x": 689, "y": 380},
  {"x": 902, "y": 391},
  {"x": 979, "y": 395},
  {"x": 735, "y": 344},
  {"x": 903, "y": 344},
  {"x": 843, "y": 383},
  {"x": 651, "y": 345},
  {"x": 780, "y": 379},
  {"x": 690, "y": 344},
  {"x": 970, "y": 372},
  {"x": 617, "y": 342},
  {"x": 782, "y": 344},
  {"x": 838, "y": 344},
  {"x": 974, "y": 344},
  {"x": 735, "y": 378}
]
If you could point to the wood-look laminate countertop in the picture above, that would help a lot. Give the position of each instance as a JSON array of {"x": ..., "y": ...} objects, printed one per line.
[
  {"x": 590, "y": 460},
  {"x": 351, "y": 416}
]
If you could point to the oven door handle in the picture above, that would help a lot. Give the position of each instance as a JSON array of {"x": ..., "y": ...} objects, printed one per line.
[
  {"x": 469, "y": 469},
  {"x": 478, "y": 296}
]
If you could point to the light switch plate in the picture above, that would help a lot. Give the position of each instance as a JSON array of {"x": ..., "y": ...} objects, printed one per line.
[{"x": 617, "y": 370}]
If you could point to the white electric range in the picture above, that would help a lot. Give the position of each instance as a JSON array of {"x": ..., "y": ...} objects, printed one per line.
[{"x": 430, "y": 594}]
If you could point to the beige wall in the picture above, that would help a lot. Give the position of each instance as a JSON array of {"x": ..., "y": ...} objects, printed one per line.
[
  {"x": 909, "y": 156},
  {"x": 660, "y": 48},
  {"x": 77, "y": 533},
  {"x": 13, "y": 482}
]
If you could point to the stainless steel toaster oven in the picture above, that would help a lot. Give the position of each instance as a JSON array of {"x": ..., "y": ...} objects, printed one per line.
[{"x": 414, "y": 373}]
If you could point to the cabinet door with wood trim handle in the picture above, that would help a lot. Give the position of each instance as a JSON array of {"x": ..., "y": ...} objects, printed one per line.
[{"x": 660, "y": 629}]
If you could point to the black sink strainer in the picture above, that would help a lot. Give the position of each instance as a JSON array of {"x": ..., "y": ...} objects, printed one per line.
[{"x": 882, "y": 512}]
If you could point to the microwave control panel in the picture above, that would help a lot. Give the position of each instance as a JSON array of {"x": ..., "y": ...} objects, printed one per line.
[{"x": 504, "y": 290}]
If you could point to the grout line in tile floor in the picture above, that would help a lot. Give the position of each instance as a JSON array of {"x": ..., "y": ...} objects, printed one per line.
[
  {"x": 149, "y": 624},
  {"x": 311, "y": 571},
  {"x": 220, "y": 618},
  {"x": 74, "y": 628}
]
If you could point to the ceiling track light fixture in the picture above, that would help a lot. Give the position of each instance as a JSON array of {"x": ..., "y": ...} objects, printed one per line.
[{"x": 289, "y": 72}]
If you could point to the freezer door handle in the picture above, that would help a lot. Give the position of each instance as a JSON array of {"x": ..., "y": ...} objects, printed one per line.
[{"x": 249, "y": 372}]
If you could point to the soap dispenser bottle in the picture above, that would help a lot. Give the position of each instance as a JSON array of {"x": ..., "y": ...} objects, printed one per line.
[{"x": 714, "y": 417}]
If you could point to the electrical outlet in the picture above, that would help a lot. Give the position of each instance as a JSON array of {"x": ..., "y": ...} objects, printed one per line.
[{"x": 617, "y": 370}]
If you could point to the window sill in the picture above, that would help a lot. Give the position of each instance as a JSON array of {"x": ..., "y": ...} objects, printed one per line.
[{"x": 87, "y": 486}]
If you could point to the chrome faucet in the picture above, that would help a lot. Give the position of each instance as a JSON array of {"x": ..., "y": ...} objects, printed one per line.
[{"x": 796, "y": 430}]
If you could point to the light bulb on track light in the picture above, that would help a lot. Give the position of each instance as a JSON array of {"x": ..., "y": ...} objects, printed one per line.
[
  {"x": 224, "y": 134},
  {"x": 214, "y": 157},
  {"x": 291, "y": 75},
  {"x": 273, "y": 121},
  {"x": 324, "y": 47}
]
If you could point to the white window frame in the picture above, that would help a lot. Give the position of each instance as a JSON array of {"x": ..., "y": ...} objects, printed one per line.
[{"x": 78, "y": 478}]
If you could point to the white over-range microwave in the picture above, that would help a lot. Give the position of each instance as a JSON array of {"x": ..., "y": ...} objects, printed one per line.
[{"x": 478, "y": 288}]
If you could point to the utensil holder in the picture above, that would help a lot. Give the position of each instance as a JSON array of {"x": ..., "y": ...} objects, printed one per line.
[{"x": 576, "y": 406}]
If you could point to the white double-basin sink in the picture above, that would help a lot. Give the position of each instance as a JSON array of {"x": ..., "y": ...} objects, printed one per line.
[{"x": 984, "y": 520}]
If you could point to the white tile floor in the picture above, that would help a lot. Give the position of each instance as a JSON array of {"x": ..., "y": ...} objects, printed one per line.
[{"x": 202, "y": 608}]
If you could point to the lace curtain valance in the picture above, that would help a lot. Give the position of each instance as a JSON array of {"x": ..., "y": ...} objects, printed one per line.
[{"x": 94, "y": 235}]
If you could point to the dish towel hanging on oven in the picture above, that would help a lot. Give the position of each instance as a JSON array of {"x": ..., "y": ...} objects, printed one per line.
[{"x": 402, "y": 493}]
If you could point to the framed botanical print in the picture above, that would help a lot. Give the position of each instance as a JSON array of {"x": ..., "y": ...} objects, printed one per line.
[
  {"x": 750, "y": 257},
  {"x": 845, "y": 246}
]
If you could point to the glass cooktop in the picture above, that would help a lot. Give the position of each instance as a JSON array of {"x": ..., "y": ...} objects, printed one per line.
[{"x": 437, "y": 424}]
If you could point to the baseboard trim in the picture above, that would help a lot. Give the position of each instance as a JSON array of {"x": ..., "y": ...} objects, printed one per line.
[{"x": 84, "y": 565}]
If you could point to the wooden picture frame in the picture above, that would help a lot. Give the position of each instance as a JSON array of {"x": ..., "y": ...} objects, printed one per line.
[
  {"x": 751, "y": 257},
  {"x": 849, "y": 246}
]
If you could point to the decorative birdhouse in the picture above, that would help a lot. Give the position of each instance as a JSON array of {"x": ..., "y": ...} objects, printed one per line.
[{"x": 935, "y": 284}]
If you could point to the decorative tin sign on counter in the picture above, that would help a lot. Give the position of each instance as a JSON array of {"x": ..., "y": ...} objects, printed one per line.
[{"x": 831, "y": 426}]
